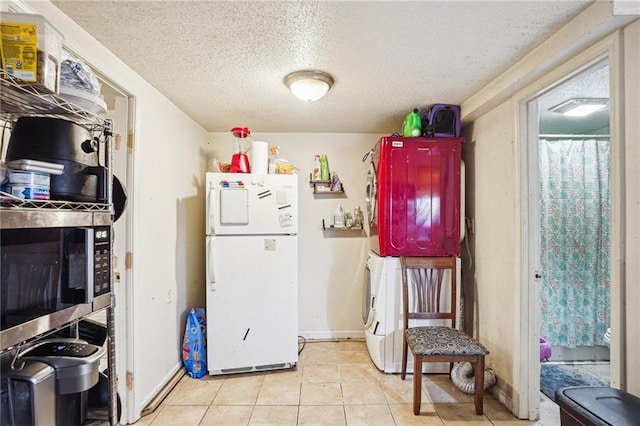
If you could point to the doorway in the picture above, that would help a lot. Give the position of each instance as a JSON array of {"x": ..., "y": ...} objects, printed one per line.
[
  {"x": 574, "y": 223},
  {"x": 568, "y": 224}
]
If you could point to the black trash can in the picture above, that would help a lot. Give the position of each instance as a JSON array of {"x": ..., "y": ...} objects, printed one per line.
[{"x": 597, "y": 406}]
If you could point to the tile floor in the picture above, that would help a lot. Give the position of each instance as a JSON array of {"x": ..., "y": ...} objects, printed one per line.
[{"x": 334, "y": 383}]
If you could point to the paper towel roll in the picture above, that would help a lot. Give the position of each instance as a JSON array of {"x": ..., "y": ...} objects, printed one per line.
[{"x": 259, "y": 157}]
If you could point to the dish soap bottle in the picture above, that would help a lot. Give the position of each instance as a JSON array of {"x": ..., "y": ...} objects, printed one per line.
[
  {"x": 324, "y": 168},
  {"x": 338, "y": 217},
  {"x": 412, "y": 126}
]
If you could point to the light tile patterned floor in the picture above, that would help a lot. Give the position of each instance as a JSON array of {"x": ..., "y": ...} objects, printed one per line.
[{"x": 334, "y": 383}]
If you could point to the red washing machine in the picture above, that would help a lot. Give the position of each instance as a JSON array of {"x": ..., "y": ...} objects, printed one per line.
[{"x": 413, "y": 196}]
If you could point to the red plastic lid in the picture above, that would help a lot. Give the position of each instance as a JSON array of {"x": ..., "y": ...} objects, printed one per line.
[{"x": 241, "y": 132}]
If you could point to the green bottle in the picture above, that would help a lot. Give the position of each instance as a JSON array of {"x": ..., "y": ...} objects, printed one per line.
[
  {"x": 412, "y": 126},
  {"x": 324, "y": 168}
]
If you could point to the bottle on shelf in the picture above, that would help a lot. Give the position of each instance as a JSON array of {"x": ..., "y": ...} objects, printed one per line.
[
  {"x": 358, "y": 217},
  {"x": 348, "y": 220},
  {"x": 273, "y": 158},
  {"x": 338, "y": 217},
  {"x": 316, "y": 167},
  {"x": 324, "y": 168},
  {"x": 412, "y": 126}
]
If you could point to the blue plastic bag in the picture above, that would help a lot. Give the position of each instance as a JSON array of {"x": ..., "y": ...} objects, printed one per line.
[{"x": 194, "y": 344}]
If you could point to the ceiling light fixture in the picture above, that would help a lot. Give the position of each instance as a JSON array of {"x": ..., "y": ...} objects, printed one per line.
[
  {"x": 580, "y": 107},
  {"x": 309, "y": 85}
]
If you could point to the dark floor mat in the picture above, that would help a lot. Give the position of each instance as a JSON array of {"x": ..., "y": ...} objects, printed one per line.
[{"x": 556, "y": 376}]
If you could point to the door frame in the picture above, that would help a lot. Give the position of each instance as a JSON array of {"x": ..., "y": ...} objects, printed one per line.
[
  {"x": 123, "y": 117},
  {"x": 526, "y": 365}
]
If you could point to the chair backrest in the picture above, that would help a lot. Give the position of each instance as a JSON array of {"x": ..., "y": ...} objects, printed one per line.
[{"x": 423, "y": 277}]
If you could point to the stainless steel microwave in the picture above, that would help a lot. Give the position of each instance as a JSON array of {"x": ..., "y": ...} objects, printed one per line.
[{"x": 46, "y": 270}]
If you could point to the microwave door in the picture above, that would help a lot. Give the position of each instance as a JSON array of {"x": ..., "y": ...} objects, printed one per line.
[{"x": 78, "y": 266}]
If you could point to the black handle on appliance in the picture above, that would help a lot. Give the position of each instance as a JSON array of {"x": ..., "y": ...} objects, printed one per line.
[
  {"x": 101, "y": 188},
  {"x": 108, "y": 160}
]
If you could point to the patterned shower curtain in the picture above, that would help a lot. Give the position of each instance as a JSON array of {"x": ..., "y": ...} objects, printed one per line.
[{"x": 574, "y": 240}]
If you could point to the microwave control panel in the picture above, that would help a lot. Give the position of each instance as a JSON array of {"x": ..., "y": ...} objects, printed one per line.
[{"x": 102, "y": 260}]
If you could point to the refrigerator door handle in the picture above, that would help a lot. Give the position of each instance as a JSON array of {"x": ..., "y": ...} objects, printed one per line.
[{"x": 210, "y": 265}]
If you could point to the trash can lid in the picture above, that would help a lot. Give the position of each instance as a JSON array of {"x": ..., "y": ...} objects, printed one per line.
[{"x": 612, "y": 406}]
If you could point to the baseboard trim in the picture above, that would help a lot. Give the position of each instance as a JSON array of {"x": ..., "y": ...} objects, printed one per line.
[
  {"x": 503, "y": 398},
  {"x": 162, "y": 394},
  {"x": 332, "y": 335}
]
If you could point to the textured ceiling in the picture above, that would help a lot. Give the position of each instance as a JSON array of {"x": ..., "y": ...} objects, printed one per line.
[
  {"x": 223, "y": 62},
  {"x": 592, "y": 84}
]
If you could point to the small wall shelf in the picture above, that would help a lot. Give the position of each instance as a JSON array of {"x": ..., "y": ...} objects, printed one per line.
[
  {"x": 342, "y": 229},
  {"x": 323, "y": 186}
]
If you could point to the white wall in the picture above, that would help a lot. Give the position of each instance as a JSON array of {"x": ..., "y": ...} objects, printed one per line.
[
  {"x": 168, "y": 239},
  {"x": 168, "y": 222},
  {"x": 331, "y": 262},
  {"x": 490, "y": 193}
]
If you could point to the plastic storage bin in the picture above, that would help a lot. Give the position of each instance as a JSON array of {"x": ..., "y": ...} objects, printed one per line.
[
  {"x": 597, "y": 406},
  {"x": 31, "y": 50}
]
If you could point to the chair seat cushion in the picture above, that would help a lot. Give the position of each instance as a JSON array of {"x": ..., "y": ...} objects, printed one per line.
[{"x": 436, "y": 340}]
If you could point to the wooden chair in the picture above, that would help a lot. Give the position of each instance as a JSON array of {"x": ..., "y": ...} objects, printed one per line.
[{"x": 424, "y": 276}]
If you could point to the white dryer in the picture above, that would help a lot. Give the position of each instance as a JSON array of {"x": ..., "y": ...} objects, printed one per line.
[
  {"x": 382, "y": 276},
  {"x": 382, "y": 315}
]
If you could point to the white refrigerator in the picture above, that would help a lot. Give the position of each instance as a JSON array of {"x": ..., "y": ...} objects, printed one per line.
[{"x": 252, "y": 272}]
